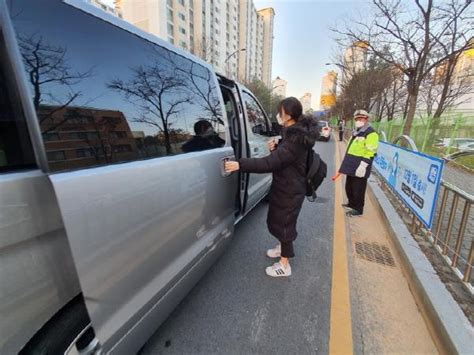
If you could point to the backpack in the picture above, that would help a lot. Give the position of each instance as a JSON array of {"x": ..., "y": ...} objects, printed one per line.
[{"x": 316, "y": 171}]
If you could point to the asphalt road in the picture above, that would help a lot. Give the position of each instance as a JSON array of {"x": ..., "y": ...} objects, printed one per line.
[{"x": 236, "y": 308}]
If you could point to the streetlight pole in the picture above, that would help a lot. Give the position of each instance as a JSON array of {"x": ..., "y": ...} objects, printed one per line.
[{"x": 229, "y": 56}]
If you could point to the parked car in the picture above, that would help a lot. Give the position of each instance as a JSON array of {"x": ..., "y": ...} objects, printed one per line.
[
  {"x": 324, "y": 130},
  {"x": 456, "y": 142},
  {"x": 114, "y": 197}
]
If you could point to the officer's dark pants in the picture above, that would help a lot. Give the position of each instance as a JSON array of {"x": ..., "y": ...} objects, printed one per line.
[
  {"x": 341, "y": 133},
  {"x": 355, "y": 191}
]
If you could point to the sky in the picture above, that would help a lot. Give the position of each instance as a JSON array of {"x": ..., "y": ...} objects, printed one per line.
[{"x": 303, "y": 41}]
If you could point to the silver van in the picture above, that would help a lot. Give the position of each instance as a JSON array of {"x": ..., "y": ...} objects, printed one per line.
[{"x": 113, "y": 197}]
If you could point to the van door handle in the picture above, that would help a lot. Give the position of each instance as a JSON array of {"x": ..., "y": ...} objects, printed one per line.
[{"x": 223, "y": 160}]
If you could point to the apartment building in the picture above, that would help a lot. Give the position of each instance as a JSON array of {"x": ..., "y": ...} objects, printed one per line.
[
  {"x": 230, "y": 34},
  {"x": 328, "y": 90},
  {"x": 279, "y": 86},
  {"x": 355, "y": 59},
  {"x": 306, "y": 102}
]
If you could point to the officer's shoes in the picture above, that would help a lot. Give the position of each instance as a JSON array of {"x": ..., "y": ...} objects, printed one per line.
[
  {"x": 353, "y": 213},
  {"x": 346, "y": 206}
]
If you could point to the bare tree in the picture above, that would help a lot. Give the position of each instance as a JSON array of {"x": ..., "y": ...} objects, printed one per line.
[
  {"x": 204, "y": 91},
  {"x": 413, "y": 35},
  {"x": 158, "y": 92},
  {"x": 47, "y": 64}
]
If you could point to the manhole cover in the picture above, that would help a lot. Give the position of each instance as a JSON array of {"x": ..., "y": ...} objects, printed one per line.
[{"x": 374, "y": 252}]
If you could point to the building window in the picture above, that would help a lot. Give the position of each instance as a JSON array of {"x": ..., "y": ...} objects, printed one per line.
[
  {"x": 181, "y": 2},
  {"x": 182, "y": 17},
  {"x": 169, "y": 3},
  {"x": 51, "y": 136},
  {"x": 182, "y": 30},
  {"x": 170, "y": 15},
  {"x": 171, "y": 40},
  {"x": 170, "y": 28},
  {"x": 121, "y": 148},
  {"x": 56, "y": 155}
]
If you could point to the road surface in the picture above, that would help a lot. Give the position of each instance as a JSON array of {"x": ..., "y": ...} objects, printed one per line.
[{"x": 236, "y": 308}]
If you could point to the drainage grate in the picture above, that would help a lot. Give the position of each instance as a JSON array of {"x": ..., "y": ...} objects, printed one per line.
[{"x": 374, "y": 252}]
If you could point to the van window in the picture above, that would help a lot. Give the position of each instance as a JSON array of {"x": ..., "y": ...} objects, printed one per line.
[
  {"x": 104, "y": 95},
  {"x": 16, "y": 151},
  {"x": 256, "y": 117}
]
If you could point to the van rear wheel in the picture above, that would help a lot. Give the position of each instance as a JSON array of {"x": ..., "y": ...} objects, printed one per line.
[{"x": 68, "y": 332}]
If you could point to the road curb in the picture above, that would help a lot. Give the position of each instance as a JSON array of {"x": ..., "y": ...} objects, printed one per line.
[{"x": 454, "y": 332}]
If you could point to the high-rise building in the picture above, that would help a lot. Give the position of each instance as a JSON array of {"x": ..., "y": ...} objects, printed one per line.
[
  {"x": 268, "y": 16},
  {"x": 230, "y": 34},
  {"x": 355, "y": 59},
  {"x": 306, "y": 102},
  {"x": 106, "y": 7},
  {"x": 279, "y": 87},
  {"x": 328, "y": 90}
]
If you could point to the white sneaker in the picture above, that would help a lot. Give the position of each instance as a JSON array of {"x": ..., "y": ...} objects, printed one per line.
[
  {"x": 278, "y": 270},
  {"x": 275, "y": 252}
]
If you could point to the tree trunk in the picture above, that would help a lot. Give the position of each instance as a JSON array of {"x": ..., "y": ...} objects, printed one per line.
[
  {"x": 167, "y": 141},
  {"x": 412, "y": 98}
]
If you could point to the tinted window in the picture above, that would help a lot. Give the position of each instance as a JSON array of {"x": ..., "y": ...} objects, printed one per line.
[
  {"x": 104, "y": 95},
  {"x": 15, "y": 147},
  {"x": 256, "y": 117}
]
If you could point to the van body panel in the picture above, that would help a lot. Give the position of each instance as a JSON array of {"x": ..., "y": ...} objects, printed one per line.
[
  {"x": 132, "y": 232},
  {"x": 133, "y": 228}
]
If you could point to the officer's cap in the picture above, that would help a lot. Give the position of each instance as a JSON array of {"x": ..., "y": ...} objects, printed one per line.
[{"x": 361, "y": 113}]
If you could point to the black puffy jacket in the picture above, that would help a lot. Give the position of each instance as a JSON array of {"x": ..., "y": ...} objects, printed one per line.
[{"x": 288, "y": 165}]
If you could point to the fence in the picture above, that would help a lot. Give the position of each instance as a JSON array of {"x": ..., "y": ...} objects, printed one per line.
[
  {"x": 453, "y": 217},
  {"x": 438, "y": 137}
]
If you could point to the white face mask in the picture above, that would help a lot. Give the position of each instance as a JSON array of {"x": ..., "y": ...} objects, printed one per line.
[
  {"x": 279, "y": 119},
  {"x": 359, "y": 124}
]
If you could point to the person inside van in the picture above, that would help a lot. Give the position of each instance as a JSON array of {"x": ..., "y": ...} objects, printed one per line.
[
  {"x": 287, "y": 162},
  {"x": 205, "y": 138}
]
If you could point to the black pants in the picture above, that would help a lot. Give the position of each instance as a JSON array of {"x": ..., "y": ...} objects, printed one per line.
[
  {"x": 355, "y": 191},
  {"x": 287, "y": 249},
  {"x": 341, "y": 133}
]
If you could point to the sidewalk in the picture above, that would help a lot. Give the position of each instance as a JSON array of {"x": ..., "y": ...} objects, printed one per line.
[{"x": 386, "y": 318}]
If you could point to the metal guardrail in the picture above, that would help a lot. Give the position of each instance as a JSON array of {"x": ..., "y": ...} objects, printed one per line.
[
  {"x": 443, "y": 241},
  {"x": 458, "y": 253}
]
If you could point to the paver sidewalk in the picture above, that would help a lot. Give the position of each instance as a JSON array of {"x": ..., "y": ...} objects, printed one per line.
[{"x": 386, "y": 318}]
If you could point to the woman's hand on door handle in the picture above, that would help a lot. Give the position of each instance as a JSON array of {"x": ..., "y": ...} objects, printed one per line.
[{"x": 231, "y": 166}]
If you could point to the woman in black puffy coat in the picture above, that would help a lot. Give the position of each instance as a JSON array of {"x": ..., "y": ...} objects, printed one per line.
[{"x": 287, "y": 162}]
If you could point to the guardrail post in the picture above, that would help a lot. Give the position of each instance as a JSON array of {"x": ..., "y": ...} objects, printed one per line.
[
  {"x": 452, "y": 213},
  {"x": 441, "y": 215},
  {"x": 462, "y": 228},
  {"x": 470, "y": 260}
]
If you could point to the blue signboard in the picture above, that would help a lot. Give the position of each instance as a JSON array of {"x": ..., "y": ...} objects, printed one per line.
[{"x": 415, "y": 178}]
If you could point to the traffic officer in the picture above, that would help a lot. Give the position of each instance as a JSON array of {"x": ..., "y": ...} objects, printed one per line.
[{"x": 357, "y": 162}]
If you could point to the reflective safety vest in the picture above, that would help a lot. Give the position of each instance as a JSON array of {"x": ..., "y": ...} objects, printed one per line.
[{"x": 362, "y": 147}]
